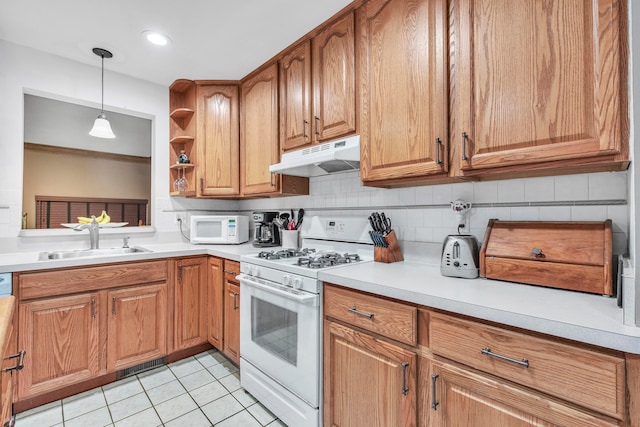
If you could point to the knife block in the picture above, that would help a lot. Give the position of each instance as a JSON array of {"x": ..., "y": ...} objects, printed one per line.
[{"x": 391, "y": 253}]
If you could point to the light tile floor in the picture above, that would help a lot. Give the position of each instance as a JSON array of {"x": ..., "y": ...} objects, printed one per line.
[{"x": 203, "y": 390}]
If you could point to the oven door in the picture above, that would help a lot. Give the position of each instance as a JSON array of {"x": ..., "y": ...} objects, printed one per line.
[{"x": 280, "y": 335}]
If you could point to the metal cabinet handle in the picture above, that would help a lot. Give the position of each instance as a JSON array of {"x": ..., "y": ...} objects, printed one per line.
[
  {"x": 405, "y": 389},
  {"x": 464, "y": 146},
  {"x": 304, "y": 129},
  {"x": 316, "y": 119},
  {"x": 438, "y": 148},
  {"x": 487, "y": 351},
  {"x": 93, "y": 308},
  {"x": 434, "y": 401},
  {"x": 235, "y": 301},
  {"x": 354, "y": 310},
  {"x": 537, "y": 252},
  {"x": 201, "y": 184},
  {"x": 179, "y": 272},
  {"x": 271, "y": 179},
  {"x": 229, "y": 271},
  {"x": 20, "y": 364},
  {"x": 113, "y": 306}
]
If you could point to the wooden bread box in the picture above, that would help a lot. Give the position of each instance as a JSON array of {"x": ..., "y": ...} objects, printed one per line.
[{"x": 568, "y": 255}]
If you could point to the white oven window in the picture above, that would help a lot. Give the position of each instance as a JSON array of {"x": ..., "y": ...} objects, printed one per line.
[{"x": 275, "y": 329}]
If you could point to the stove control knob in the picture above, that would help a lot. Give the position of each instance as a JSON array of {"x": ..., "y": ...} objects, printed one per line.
[
  {"x": 297, "y": 283},
  {"x": 286, "y": 280}
]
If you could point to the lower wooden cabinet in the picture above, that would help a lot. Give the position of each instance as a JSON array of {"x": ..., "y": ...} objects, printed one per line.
[
  {"x": 367, "y": 381},
  {"x": 136, "y": 326},
  {"x": 61, "y": 338},
  {"x": 231, "y": 346},
  {"x": 190, "y": 301},
  {"x": 461, "y": 397},
  {"x": 9, "y": 360},
  {"x": 215, "y": 297}
]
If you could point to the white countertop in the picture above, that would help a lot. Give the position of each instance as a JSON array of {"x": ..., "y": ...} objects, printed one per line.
[
  {"x": 28, "y": 261},
  {"x": 592, "y": 319}
]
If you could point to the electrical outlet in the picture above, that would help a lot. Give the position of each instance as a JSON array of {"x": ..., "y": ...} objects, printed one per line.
[{"x": 180, "y": 217}]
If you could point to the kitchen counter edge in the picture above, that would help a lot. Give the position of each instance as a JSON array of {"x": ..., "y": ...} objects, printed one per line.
[{"x": 586, "y": 318}]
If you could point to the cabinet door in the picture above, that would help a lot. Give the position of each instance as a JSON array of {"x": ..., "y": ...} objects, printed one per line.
[
  {"x": 190, "y": 313},
  {"x": 215, "y": 297},
  {"x": 403, "y": 89},
  {"x": 535, "y": 82},
  {"x": 218, "y": 137},
  {"x": 260, "y": 133},
  {"x": 334, "y": 81},
  {"x": 367, "y": 381},
  {"x": 232, "y": 319},
  {"x": 295, "y": 97},
  {"x": 61, "y": 338},
  {"x": 137, "y": 325},
  {"x": 464, "y": 398}
]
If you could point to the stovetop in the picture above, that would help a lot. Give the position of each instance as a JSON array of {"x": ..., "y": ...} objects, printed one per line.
[
  {"x": 311, "y": 258},
  {"x": 327, "y": 243}
]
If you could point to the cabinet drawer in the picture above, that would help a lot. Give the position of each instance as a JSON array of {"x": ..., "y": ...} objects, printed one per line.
[
  {"x": 85, "y": 279},
  {"x": 585, "y": 377},
  {"x": 392, "y": 319},
  {"x": 231, "y": 270}
]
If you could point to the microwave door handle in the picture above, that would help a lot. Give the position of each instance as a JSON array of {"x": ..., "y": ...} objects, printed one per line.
[{"x": 307, "y": 299}]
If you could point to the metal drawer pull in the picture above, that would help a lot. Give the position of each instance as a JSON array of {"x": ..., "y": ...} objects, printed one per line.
[
  {"x": 113, "y": 306},
  {"x": 235, "y": 301},
  {"x": 464, "y": 146},
  {"x": 438, "y": 148},
  {"x": 360, "y": 313},
  {"x": 20, "y": 364},
  {"x": 405, "y": 389},
  {"x": 229, "y": 271},
  {"x": 434, "y": 402},
  {"x": 487, "y": 351},
  {"x": 93, "y": 308}
]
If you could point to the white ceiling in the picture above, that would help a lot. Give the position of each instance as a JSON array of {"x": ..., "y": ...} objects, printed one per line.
[{"x": 211, "y": 39}]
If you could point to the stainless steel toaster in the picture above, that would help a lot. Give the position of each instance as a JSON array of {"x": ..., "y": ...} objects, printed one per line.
[{"x": 460, "y": 256}]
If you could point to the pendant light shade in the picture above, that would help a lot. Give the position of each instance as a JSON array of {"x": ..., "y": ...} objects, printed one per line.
[{"x": 102, "y": 127}]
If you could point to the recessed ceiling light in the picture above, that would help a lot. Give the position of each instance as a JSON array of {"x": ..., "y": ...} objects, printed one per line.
[{"x": 156, "y": 38}]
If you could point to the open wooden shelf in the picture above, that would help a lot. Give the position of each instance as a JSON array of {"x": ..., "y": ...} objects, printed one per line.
[
  {"x": 181, "y": 139},
  {"x": 188, "y": 193},
  {"x": 182, "y": 166},
  {"x": 181, "y": 113}
]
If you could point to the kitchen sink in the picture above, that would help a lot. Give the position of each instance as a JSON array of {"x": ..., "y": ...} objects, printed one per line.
[{"x": 84, "y": 253}]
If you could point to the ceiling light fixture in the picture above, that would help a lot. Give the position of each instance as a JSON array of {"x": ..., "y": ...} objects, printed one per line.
[
  {"x": 102, "y": 127},
  {"x": 156, "y": 38}
]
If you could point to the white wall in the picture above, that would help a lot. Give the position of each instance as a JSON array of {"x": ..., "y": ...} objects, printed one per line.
[{"x": 27, "y": 70}]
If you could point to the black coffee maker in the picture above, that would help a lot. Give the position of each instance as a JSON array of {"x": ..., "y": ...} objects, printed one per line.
[{"x": 265, "y": 232}]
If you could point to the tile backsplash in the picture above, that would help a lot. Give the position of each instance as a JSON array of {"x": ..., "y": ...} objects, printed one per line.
[{"x": 423, "y": 214}]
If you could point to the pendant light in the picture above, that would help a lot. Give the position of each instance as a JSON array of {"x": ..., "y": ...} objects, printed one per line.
[{"x": 102, "y": 127}]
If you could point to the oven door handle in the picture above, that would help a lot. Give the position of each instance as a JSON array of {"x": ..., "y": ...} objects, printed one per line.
[{"x": 302, "y": 298}]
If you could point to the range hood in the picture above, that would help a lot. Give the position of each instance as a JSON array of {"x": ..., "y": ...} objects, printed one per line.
[{"x": 337, "y": 156}]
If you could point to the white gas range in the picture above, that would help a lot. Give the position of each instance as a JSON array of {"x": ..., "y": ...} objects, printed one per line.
[{"x": 281, "y": 315}]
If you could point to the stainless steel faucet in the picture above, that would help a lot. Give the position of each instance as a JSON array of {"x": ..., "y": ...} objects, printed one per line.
[{"x": 94, "y": 231}]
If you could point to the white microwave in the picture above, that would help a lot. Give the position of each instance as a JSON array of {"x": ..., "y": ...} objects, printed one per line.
[{"x": 219, "y": 229}]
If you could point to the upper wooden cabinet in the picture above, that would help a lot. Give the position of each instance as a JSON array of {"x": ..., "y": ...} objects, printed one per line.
[
  {"x": 317, "y": 87},
  {"x": 334, "y": 84},
  {"x": 218, "y": 140},
  {"x": 295, "y": 97},
  {"x": 259, "y": 138},
  {"x": 537, "y": 85},
  {"x": 402, "y": 78}
]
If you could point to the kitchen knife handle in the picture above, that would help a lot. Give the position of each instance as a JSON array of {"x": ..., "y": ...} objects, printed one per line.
[
  {"x": 438, "y": 148},
  {"x": 487, "y": 351},
  {"x": 464, "y": 146},
  {"x": 354, "y": 310}
]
